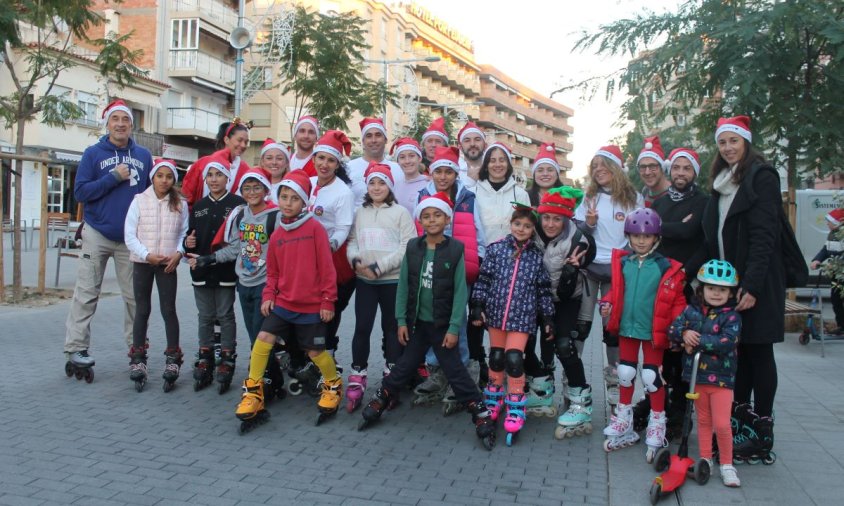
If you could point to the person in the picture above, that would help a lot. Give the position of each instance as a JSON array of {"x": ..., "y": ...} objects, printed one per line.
[
  {"x": 373, "y": 137},
  {"x": 567, "y": 250},
  {"x": 546, "y": 172},
  {"x": 409, "y": 156},
  {"x": 275, "y": 162},
  {"x": 513, "y": 290},
  {"x": 244, "y": 239},
  {"x": 430, "y": 309},
  {"x": 495, "y": 190},
  {"x": 645, "y": 298},
  {"x": 833, "y": 248},
  {"x": 110, "y": 174},
  {"x": 156, "y": 225},
  {"x": 232, "y": 141},
  {"x": 305, "y": 135},
  {"x": 297, "y": 300},
  {"x": 435, "y": 136},
  {"x": 711, "y": 326},
  {"x": 377, "y": 243},
  {"x": 743, "y": 225},
  {"x": 214, "y": 285},
  {"x": 651, "y": 166},
  {"x": 472, "y": 144},
  {"x": 467, "y": 228},
  {"x": 609, "y": 198}
]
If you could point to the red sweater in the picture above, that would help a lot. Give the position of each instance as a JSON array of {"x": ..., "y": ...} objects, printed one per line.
[
  {"x": 300, "y": 272},
  {"x": 193, "y": 186}
]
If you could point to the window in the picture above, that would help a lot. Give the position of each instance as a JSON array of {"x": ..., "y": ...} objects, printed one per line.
[
  {"x": 88, "y": 103},
  {"x": 55, "y": 188},
  {"x": 261, "y": 114},
  {"x": 185, "y": 34}
]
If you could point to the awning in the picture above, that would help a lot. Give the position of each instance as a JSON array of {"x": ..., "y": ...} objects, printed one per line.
[{"x": 68, "y": 157}]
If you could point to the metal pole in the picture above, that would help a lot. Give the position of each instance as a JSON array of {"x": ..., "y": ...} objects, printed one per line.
[
  {"x": 238, "y": 64},
  {"x": 384, "y": 95}
]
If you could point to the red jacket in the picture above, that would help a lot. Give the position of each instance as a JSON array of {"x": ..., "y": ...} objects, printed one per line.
[
  {"x": 300, "y": 272},
  {"x": 193, "y": 185},
  {"x": 668, "y": 304}
]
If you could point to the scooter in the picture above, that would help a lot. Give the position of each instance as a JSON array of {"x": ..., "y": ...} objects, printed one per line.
[{"x": 675, "y": 468}]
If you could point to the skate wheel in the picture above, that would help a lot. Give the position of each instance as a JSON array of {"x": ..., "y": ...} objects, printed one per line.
[
  {"x": 804, "y": 338},
  {"x": 650, "y": 453},
  {"x": 68, "y": 369},
  {"x": 139, "y": 385},
  {"x": 769, "y": 459},
  {"x": 488, "y": 442},
  {"x": 89, "y": 376},
  {"x": 510, "y": 438},
  {"x": 560, "y": 432},
  {"x": 702, "y": 472},
  {"x": 168, "y": 386},
  {"x": 197, "y": 385},
  {"x": 224, "y": 387},
  {"x": 363, "y": 424},
  {"x": 662, "y": 460},
  {"x": 656, "y": 493},
  {"x": 281, "y": 393},
  {"x": 607, "y": 447},
  {"x": 78, "y": 374}
]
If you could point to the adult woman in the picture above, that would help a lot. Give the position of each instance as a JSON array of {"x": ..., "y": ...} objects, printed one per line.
[
  {"x": 407, "y": 153},
  {"x": 546, "y": 172},
  {"x": 232, "y": 141},
  {"x": 742, "y": 225},
  {"x": 275, "y": 161},
  {"x": 496, "y": 190}
]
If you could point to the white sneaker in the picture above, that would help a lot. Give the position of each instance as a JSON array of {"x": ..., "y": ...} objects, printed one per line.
[{"x": 729, "y": 476}]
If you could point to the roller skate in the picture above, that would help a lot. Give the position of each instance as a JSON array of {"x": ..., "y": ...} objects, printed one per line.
[
  {"x": 432, "y": 389},
  {"x": 418, "y": 378},
  {"x": 218, "y": 348},
  {"x": 379, "y": 403},
  {"x": 251, "y": 409},
  {"x": 577, "y": 421},
  {"x": 620, "y": 432},
  {"x": 273, "y": 380},
  {"x": 309, "y": 379},
  {"x": 494, "y": 400},
  {"x": 355, "y": 389},
  {"x": 329, "y": 401},
  {"x": 450, "y": 404},
  {"x": 755, "y": 441},
  {"x": 484, "y": 424},
  {"x": 225, "y": 370},
  {"x": 138, "y": 367},
  {"x": 540, "y": 398},
  {"x": 81, "y": 365},
  {"x": 203, "y": 369},
  {"x": 611, "y": 382},
  {"x": 641, "y": 412},
  {"x": 515, "y": 419},
  {"x": 172, "y": 363},
  {"x": 394, "y": 400},
  {"x": 655, "y": 435}
]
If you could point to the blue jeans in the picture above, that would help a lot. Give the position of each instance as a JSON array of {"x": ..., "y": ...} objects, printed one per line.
[
  {"x": 462, "y": 347},
  {"x": 250, "y": 304}
]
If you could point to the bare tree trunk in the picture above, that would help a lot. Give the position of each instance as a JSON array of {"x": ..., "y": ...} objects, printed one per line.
[
  {"x": 791, "y": 180},
  {"x": 16, "y": 252}
]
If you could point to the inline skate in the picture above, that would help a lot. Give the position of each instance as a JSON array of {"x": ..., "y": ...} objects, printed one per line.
[
  {"x": 138, "y": 367},
  {"x": 494, "y": 400},
  {"x": 203, "y": 369},
  {"x": 379, "y": 403},
  {"x": 225, "y": 370},
  {"x": 218, "y": 347},
  {"x": 577, "y": 421},
  {"x": 432, "y": 389},
  {"x": 329, "y": 401},
  {"x": 450, "y": 404},
  {"x": 309, "y": 378},
  {"x": 540, "y": 397},
  {"x": 484, "y": 424},
  {"x": 251, "y": 410},
  {"x": 619, "y": 432},
  {"x": 655, "y": 435},
  {"x": 172, "y": 363},
  {"x": 273, "y": 380},
  {"x": 515, "y": 419},
  {"x": 81, "y": 365},
  {"x": 755, "y": 441},
  {"x": 356, "y": 389}
]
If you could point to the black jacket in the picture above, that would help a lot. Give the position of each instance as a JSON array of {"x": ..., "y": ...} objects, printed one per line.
[
  {"x": 752, "y": 243},
  {"x": 681, "y": 240},
  {"x": 447, "y": 255},
  {"x": 206, "y": 218}
]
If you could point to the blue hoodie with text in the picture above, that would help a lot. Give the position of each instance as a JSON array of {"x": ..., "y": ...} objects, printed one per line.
[{"x": 106, "y": 199}]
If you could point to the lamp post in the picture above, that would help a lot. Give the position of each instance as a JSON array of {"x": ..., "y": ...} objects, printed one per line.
[{"x": 386, "y": 63}]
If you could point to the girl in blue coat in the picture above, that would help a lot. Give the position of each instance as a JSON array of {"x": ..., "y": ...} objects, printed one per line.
[{"x": 512, "y": 288}]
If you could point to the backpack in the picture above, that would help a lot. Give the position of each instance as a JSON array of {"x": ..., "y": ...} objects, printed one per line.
[{"x": 796, "y": 270}]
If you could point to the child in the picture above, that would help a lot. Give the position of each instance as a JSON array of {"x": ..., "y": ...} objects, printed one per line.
[
  {"x": 512, "y": 288},
  {"x": 833, "y": 248},
  {"x": 297, "y": 301},
  {"x": 156, "y": 224},
  {"x": 646, "y": 296},
  {"x": 711, "y": 325},
  {"x": 214, "y": 285},
  {"x": 430, "y": 308},
  {"x": 376, "y": 247},
  {"x": 408, "y": 154}
]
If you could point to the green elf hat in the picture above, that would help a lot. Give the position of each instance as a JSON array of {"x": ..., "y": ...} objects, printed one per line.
[
  {"x": 561, "y": 200},
  {"x": 518, "y": 206}
]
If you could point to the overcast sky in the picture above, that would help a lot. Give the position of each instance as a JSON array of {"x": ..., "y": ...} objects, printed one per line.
[{"x": 532, "y": 40}]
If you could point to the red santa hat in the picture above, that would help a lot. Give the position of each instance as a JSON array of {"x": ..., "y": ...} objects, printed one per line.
[
  {"x": 439, "y": 200},
  {"x": 335, "y": 143},
  {"x": 272, "y": 144},
  {"x": 307, "y": 120},
  {"x": 381, "y": 171},
  {"x": 436, "y": 129},
  {"x": 405, "y": 144},
  {"x": 562, "y": 200},
  {"x": 367, "y": 124},
  {"x": 612, "y": 153},
  {"x": 547, "y": 155},
  {"x": 446, "y": 156},
  {"x": 502, "y": 147},
  {"x": 687, "y": 153},
  {"x": 258, "y": 175},
  {"x": 117, "y": 105},
  {"x": 652, "y": 149},
  {"x": 468, "y": 129},
  {"x": 737, "y": 124},
  {"x": 836, "y": 216},
  {"x": 297, "y": 181},
  {"x": 159, "y": 163}
]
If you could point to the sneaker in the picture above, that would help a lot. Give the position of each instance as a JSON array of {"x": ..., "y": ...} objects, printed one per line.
[{"x": 729, "y": 476}]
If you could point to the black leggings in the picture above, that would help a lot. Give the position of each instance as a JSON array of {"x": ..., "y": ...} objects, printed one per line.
[
  {"x": 369, "y": 297},
  {"x": 756, "y": 374},
  {"x": 143, "y": 275},
  {"x": 344, "y": 294},
  {"x": 564, "y": 345}
]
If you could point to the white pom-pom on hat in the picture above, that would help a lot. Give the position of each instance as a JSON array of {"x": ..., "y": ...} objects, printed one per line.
[
  {"x": 649, "y": 145},
  {"x": 549, "y": 148}
]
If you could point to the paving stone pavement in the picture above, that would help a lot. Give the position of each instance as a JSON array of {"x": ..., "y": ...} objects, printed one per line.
[{"x": 68, "y": 442}]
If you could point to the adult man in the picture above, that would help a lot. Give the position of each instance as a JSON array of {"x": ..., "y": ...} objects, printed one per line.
[
  {"x": 472, "y": 144},
  {"x": 651, "y": 162},
  {"x": 110, "y": 174},
  {"x": 305, "y": 135},
  {"x": 373, "y": 137},
  {"x": 434, "y": 137}
]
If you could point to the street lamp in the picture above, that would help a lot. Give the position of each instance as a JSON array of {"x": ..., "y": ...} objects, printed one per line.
[{"x": 386, "y": 63}]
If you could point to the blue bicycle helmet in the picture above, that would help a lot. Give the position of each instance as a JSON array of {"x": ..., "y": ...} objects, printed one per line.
[{"x": 718, "y": 272}]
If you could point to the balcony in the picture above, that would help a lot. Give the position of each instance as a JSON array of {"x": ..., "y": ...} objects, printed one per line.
[
  {"x": 203, "y": 69},
  {"x": 193, "y": 121},
  {"x": 153, "y": 142},
  {"x": 215, "y": 12}
]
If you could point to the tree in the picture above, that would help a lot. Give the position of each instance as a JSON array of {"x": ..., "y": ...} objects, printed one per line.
[
  {"x": 781, "y": 62},
  {"x": 424, "y": 119},
  {"x": 43, "y": 34}
]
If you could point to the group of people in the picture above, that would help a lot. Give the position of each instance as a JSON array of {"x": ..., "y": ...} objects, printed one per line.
[{"x": 447, "y": 245}]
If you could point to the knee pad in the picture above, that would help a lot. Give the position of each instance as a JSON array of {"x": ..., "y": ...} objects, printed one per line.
[
  {"x": 610, "y": 339},
  {"x": 515, "y": 363},
  {"x": 566, "y": 348},
  {"x": 626, "y": 374},
  {"x": 650, "y": 378},
  {"x": 582, "y": 329},
  {"x": 496, "y": 359}
]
